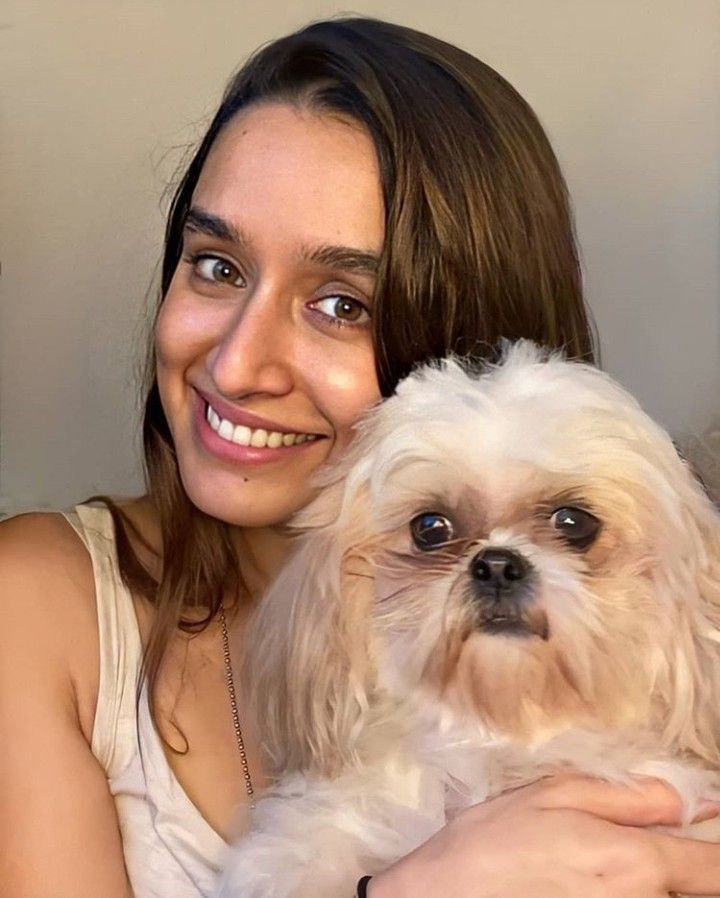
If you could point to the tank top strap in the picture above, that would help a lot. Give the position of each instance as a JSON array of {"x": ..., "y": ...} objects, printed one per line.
[{"x": 114, "y": 737}]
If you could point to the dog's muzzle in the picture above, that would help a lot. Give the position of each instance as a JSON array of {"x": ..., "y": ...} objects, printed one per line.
[{"x": 502, "y": 593}]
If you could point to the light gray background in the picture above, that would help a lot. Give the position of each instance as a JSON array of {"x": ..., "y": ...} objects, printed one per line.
[{"x": 100, "y": 100}]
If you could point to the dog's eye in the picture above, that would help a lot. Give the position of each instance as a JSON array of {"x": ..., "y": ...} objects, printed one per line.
[
  {"x": 576, "y": 526},
  {"x": 431, "y": 530}
]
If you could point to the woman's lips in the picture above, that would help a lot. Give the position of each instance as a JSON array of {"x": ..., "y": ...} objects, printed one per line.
[
  {"x": 233, "y": 452},
  {"x": 239, "y": 416}
]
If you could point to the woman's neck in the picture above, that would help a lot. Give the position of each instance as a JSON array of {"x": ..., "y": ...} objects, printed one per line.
[{"x": 261, "y": 552}]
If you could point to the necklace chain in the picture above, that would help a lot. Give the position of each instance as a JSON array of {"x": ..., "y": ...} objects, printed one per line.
[{"x": 234, "y": 708}]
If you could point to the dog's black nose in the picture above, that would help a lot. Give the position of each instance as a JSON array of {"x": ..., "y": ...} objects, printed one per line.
[{"x": 498, "y": 569}]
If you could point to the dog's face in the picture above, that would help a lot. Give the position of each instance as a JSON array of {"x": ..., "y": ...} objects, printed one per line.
[
  {"x": 531, "y": 543},
  {"x": 524, "y": 548}
]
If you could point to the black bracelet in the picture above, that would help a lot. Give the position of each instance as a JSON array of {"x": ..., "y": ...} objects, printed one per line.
[{"x": 361, "y": 888}]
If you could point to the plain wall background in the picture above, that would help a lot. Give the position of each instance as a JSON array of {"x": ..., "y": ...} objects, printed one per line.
[{"x": 100, "y": 100}]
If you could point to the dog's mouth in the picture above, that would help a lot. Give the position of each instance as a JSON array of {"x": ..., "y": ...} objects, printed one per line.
[
  {"x": 522, "y": 625},
  {"x": 502, "y": 593}
]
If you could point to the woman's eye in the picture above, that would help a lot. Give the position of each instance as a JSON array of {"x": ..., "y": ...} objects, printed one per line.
[
  {"x": 577, "y": 527},
  {"x": 343, "y": 309},
  {"x": 217, "y": 270},
  {"x": 431, "y": 530}
]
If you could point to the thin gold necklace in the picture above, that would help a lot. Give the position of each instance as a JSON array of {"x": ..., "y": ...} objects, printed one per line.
[{"x": 234, "y": 708}]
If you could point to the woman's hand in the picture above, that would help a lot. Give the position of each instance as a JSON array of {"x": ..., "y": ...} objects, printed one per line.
[{"x": 570, "y": 836}]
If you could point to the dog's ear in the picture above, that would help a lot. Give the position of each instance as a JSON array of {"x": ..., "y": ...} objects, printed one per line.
[
  {"x": 693, "y": 696},
  {"x": 307, "y": 655}
]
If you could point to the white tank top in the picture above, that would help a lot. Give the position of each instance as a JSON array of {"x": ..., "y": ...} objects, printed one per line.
[{"x": 171, "y": 851}]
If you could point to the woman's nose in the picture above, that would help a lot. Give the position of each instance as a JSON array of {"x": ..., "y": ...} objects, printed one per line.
[{"x": 254, "y": 352}]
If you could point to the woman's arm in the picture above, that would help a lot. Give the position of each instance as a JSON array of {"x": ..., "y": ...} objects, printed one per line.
[
  {"x": 59, "y": 832},
  {"x": 566, "y": 836}
]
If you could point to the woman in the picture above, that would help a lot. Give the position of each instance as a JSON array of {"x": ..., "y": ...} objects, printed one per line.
[{"x": 366, "y": 197}]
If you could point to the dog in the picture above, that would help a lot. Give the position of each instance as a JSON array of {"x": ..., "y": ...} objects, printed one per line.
[{"x": 511, "y": 573}]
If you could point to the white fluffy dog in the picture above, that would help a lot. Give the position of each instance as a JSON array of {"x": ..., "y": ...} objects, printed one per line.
[{"x": 512, "y": 572}]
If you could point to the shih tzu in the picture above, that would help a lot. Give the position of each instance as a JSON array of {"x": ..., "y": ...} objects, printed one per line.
[{"x": 511, "y": 573}]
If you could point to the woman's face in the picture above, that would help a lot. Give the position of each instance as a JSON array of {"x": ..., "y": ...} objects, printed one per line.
[{"x": 267, "y": 318}]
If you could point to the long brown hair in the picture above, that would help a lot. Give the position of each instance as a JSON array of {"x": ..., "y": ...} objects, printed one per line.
[{"x": 479, "y": 245}]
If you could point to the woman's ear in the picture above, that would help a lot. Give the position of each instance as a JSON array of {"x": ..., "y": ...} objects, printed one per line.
[{"x": 308, "y": 658}]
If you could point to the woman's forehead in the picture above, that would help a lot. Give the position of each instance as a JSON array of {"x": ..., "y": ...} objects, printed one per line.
[{"x": 290, "y": 169}]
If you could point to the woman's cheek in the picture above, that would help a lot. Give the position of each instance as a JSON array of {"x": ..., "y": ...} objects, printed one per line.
[
  {"x": 182, "y": 337},
  {"x": 349, "y": 390},
  {"x": 184, "y": 330}
]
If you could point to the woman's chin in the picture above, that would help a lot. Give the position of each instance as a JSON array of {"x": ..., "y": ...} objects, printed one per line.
[{"x": 248, "y": 501}]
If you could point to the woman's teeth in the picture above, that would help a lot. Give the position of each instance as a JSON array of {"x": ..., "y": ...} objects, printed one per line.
[{"x": 259, "y": 438}]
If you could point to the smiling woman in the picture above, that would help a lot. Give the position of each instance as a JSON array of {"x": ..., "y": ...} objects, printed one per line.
[
  {"x": 271, "y": 302},
  {"x": 366, "y": 197}
]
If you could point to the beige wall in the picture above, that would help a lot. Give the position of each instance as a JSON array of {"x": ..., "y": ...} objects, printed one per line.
[{"x": 100, "y": 98}]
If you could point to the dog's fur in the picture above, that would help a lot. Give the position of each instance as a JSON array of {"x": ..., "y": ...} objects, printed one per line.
[{"x": 387, "y": 698}]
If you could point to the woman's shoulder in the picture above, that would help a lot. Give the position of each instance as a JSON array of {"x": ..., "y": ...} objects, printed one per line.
[
  {"x": 48, "y": 606},
  {"x": 44, "y": 545},
  {"x": 50, "y": 570},
  {"x": 43, "y": 563},
  {"x": 40, "y": 549},
  {"x": 49, "y": 673}
]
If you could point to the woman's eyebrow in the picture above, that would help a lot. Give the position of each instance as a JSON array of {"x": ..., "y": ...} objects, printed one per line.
[
  {"x": 198, "y": 219},
  {"x": 346, "y": 258}
]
